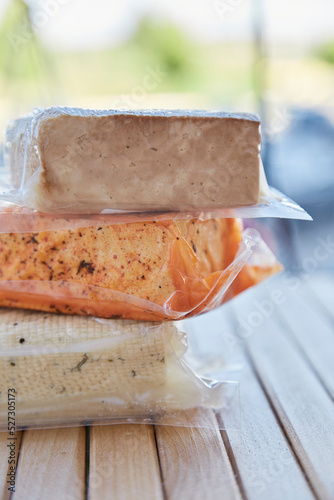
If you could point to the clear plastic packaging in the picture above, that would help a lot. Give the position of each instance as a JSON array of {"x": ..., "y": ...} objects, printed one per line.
[
  {"x": 162, "y": 162},
  {"x": 151, "y": 271},
  {"x": 70, "y": 370}
]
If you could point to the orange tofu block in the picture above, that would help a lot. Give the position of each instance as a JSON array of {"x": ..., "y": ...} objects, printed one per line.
[{"x": 157, "y": 270}]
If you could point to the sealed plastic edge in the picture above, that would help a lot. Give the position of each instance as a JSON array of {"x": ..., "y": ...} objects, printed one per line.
[
  {"x": 39, "y": 113},
  {"x": 209, "y": 402},
  {"x": 272, "y": 204},
  {"x": 220, "y": 282},
  {"x": 227, "y": 418}
]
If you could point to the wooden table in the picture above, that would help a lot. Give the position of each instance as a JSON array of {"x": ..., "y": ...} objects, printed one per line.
[{"x": 284, "y": 331}]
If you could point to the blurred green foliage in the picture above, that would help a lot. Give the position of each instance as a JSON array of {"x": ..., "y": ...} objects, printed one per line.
[
  {"x": 20, "y": 53},
  {"x": 27, "y": 68},
  {"x": 326, "y": 52},
  {"x": 165, "y": 43},
  {"x": 219, "y": 71}
]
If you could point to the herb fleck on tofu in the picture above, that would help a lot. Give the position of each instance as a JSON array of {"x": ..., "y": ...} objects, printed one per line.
[
  {"x": 80, "y": 364},
  {"x": 86, "y": 265}
]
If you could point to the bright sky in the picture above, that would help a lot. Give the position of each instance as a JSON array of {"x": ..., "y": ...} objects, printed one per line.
[{"x": 84, "y": 24}]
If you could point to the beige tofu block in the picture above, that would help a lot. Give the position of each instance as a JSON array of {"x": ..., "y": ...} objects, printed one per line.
[
  {"x": 72, "y": 370},
  {"x": 81, "y": 161}
]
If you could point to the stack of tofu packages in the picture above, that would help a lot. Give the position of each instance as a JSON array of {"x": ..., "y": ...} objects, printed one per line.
[{"x": 114, "y": 226}]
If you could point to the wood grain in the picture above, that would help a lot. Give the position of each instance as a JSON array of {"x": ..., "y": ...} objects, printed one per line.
[
  {"x": 51, "y": 465},
  {"x": 312, "y": 330},
  {"x": 194, "y": 462},
  {"x": 124, "y": 463},
  {"x": 4, "y": 456},
  {"x": 259, "y": 452},
  {"x": 322, "y": 285},
  {"x": 303, "y": 406},
  {"x": 285, "y": 449}
]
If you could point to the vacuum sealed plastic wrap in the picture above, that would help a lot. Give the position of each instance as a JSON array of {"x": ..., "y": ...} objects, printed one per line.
[
  {"x": 200, "y": 163},
  {"x": 158, "y": 270},
  {"x": 69, "y": 370},
  {"x": 74, "y": 160}
]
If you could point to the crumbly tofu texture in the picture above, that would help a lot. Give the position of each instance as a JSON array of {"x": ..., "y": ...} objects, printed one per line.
[
  {"x": 60, "y": 356},
  {"x": 73, "y": 369},
  {"x": 83, "y": 162}
]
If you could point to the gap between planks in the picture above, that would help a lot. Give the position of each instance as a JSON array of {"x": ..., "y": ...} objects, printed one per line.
[
  {"x": 302, "y": 405},
  {"x": 194, "y": 461},
  {"x": 5, "y": 494},
  {"x": 124, "y": 460},
  {"x": 123, "y": 463},
  {"x": 301, "y": 319},
  {"x": 262, "y": 459},
  {"x": 51, "y": 465}
]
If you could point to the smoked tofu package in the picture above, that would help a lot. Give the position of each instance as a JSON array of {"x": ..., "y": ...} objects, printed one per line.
[
  {"x": 59, "y": 370},
  {"x": 104, "y": 266},
  {"x": 198, "y": 163}
]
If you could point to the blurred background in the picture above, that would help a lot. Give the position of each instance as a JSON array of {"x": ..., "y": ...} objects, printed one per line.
[{"x": 272, "y": 57}]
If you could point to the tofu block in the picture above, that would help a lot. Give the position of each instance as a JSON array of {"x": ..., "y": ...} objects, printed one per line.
[
  {"x": 142, "y": 270},
  {"x": 70, "y": 369},
  {"x": 81, "y": 161}
]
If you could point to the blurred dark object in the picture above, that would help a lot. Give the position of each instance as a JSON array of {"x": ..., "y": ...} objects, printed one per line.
[{"x": 300, "y": 162}]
